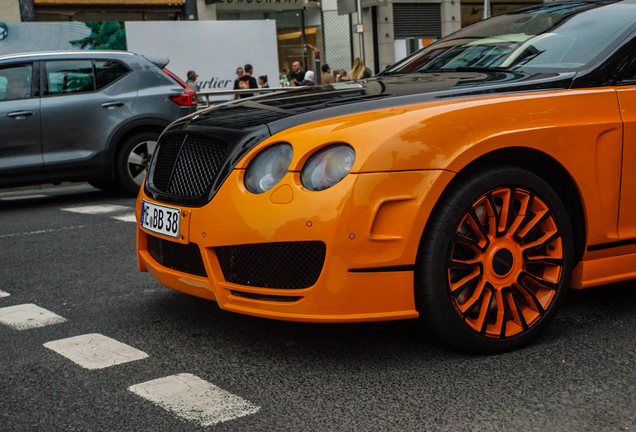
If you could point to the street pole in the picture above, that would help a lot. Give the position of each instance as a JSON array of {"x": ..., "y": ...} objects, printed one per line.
[
  {"x": 360, "y": 35},
  {"x": 486, "y": 13}
]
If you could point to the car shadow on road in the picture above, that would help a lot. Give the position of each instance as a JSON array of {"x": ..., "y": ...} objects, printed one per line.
[{"x": 203, "y": 321}]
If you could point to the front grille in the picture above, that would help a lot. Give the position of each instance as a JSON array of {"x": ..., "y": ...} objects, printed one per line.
[
  {"x": 185, "y": 258},
  {"x": 187, "y": 164},
  {"x": 287, "y": 265}
]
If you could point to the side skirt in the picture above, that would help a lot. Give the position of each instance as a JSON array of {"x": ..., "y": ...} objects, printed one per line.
[{"x": 588, "y": 274}]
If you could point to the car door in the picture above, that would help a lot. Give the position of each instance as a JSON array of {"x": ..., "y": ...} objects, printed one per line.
[
  {"x": 85, "y": 101},
  {"x": 626, "y": 90},
  {"x": 20, "y": 144}
]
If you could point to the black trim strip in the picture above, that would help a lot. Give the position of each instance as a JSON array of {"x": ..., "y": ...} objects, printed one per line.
[
  {"x": 408, "y": 267},
  {"x": 611, "y": 245},
  {"x": 265, "y": 297}
]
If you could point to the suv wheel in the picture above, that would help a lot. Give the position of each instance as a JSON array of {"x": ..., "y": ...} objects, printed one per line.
[{"x": 133, "y": 159}]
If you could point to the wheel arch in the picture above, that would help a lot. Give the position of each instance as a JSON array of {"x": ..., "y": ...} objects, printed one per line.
[
  {"x": 129, "y": 130},
  {"x": 552, "y": 172}
]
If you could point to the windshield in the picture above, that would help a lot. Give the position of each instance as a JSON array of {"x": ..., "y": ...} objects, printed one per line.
[{"x": 554, "y": 36}]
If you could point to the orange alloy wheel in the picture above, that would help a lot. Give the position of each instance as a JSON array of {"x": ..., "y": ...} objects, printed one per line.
[
  {"x": 505, "y": 263},
  {"x": 494, "y": 261}
]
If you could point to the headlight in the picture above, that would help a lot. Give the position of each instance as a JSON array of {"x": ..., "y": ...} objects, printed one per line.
[
  {"x": 327, "y": 167},
  {"x": 268, "y": 168}
]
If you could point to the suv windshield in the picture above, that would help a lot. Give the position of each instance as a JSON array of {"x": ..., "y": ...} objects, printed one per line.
[{"x": 555, "y": 36}]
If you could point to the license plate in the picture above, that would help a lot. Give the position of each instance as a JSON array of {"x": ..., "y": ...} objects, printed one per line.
[{"x": 160, "y": 219}]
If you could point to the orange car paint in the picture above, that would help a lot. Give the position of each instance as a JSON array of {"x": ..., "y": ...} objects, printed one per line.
[{"x": 405, "y": 157}]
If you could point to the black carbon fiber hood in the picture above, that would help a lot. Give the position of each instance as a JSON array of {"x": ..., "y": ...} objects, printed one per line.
[
  {"x": 242, "y": 125},
  {"x": 282, "y": 110}
]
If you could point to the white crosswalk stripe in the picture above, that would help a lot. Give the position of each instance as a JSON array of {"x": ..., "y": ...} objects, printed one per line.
[
  {"x": 194, "y": 399},
  {"x": 126, "y": 218},
  {"x": 28, "y": 316},
  {"x": 123, "y": 213},
  {"x": 97, "y": 209},
  {"x": 95, "y": 351}
]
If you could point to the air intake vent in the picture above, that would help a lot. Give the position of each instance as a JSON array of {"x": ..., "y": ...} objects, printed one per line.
[
  {"x": 287, "y": 265},
  {"x": 185, "y": 258}
]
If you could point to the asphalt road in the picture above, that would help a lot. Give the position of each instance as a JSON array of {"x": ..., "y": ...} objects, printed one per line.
[{"x": 580, "y": 376}]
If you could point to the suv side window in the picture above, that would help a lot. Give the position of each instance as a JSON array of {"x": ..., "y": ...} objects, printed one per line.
[
  {"x": 108, "y": 71},
  {"x": 15, "y": 82},
  {"x": 70, "y": 76}
]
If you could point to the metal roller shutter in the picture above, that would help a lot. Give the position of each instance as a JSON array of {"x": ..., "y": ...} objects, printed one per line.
[{"x": 417, "y": 20}]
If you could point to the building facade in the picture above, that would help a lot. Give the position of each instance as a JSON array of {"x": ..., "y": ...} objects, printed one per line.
[{"x": 391, "y": 29}]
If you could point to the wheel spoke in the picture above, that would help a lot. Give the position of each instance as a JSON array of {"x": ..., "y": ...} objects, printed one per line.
[
  {"x": 461, "y": 238},
  {"x": 536, "y": 221},
  {"x": 525, "y": 201},
  {"x": 517, "y": 316},
  {"x": 498, "y": 326},
  {"x": 459, "y": 264},
  {"x": 541, "y": 242},
  {"x": 541, "y": 294},
  {"x": 458, "y": 287},
  {"x": 151, "y": 145},
  {"x": 545, "y": 261},
  {"x": 479, "y": 289},
  {"x": 531, "y": 298},
  {"x": 139, "y": 178},
  {"x": 506, "y": 214},
  {"x": 477, "y": 227},
  {"x": 135, "y": 159},
  {"x": 479, "y": 323},
  {"x": 493, "y": 217},
  {"x": 535, "y": 279}
]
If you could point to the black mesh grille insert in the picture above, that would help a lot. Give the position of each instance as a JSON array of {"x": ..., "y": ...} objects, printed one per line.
[
  {"x": 187, "y": 164},
  {"x": 185, "y": 258},
  {"x": 287, "y": 265},
  {"x": 167, "y": 156}
]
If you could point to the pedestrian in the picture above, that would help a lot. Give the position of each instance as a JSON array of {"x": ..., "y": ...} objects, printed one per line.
[
  {"x": 245, "y": 82},
  {"x": 341, "y": 75},
  {"x": 297, "y": 74},
  {"x": 359, "y": 70},
  {"x": 282, "y": 78},
  {"x": 239, "y": 75},
  {"x": 262, "y": 81},
  {"x": 325, "y": 76},
  {"x": 192, "y": 81},
  {"x": 309, "y": 79}
]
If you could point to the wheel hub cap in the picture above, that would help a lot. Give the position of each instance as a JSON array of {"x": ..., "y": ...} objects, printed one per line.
[{"x": 502, "y": 262}]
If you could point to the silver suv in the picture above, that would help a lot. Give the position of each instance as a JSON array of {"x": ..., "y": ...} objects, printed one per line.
[{"x": 85, "y": 116}]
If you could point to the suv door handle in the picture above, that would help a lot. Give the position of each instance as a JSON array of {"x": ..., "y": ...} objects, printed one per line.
[
  {"x": 20, "y": 114},
  {"x": 112, "y": 105}
]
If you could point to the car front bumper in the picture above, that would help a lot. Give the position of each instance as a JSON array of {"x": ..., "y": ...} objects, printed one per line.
[{"x": 367, "y": 227}]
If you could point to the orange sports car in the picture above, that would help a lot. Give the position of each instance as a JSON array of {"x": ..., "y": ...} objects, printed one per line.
[{"x": 469, "y": 185}]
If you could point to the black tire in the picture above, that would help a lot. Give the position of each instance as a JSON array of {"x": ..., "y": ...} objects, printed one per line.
[
  {"x": 490, "y": 276},
  {"x": 132, "y": 161}
]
